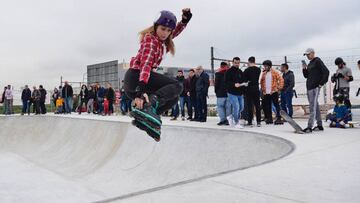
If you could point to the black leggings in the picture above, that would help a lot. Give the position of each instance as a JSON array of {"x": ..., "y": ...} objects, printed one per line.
[{"x": 166, "y": 89}]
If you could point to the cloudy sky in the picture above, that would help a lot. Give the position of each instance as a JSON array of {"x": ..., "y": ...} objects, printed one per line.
[{"x": 40, "y": 40}]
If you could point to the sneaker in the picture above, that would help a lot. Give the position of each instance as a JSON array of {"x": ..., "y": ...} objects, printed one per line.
[
  {"x": 318, "y": 128},
  {"x": 239, "y": 126},
  {"x": 188, "y": 118},
  {"x": 220, "y": 123},
  {"x": 278, "y": 121},
  {"x": 224, "y": 122},
  {"x": 269, "y": 122},
  {"x": 307, "y": 130},
  {"x": 183, "y": 118},
  {"x": 249, "y": 124},
  {"x": 173, "y": 119},
  {"x": 231, "y": 121},
  {"x": 258, "y": 124}
]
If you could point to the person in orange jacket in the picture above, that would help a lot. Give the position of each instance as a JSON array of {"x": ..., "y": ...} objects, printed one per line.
[{"x": 271, "y": 84}]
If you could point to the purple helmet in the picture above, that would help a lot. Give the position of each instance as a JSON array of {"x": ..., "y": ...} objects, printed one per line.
[{"x": 167, "y": 19}]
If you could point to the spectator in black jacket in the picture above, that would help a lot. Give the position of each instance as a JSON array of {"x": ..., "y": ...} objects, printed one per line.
[
  {"x": 202, "y": 86},
  {"x": 252, "y": 75},
  {"x": 175, "y": 109},
  {"x": 287, "y": 91},
  {"x": 90, "y": 101},
  {"x": 192, "y": 95},
  {"x": 55, "y": 95},
  {"x": 83, "y": 97},
  {"x": 42, "y": 99},
  {"x": 317, "y": 75},
  {"x": 222, "y": 104},
  {"x": 67, "y": 94},
  {"x": 184, "y": 99},
  {"x": 110, "y": 96},
  {"x": 234, "y": 80},
  {"x": 25, "y": 98},
  {"x": 35, "y": 96}
]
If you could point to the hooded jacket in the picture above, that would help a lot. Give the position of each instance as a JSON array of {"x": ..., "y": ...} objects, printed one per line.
[{"x": 220, "y": 86}]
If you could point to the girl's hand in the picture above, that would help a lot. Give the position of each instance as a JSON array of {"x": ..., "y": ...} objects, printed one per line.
[
  {"x": 139, "y": 102},
  {"x": 186, "y": 15}
]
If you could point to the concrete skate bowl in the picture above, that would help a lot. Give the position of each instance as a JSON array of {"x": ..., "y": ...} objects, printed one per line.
[{"x": 114, "y": 161}]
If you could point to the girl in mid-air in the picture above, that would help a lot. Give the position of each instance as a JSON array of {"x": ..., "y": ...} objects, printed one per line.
[{"x": 154, "y": 93}]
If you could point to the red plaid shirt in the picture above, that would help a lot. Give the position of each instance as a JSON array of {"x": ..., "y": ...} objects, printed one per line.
[{"x": 151, "y": 53}]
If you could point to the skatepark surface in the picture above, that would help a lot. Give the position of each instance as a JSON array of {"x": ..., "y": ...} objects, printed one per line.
[{"x": 88, "y": 158}]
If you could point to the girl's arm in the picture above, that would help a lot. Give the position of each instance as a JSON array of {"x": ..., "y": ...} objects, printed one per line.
[
  {"x": 178, "y": 29},
  {"x": 186, "y": 16},
  {"x": 148, "y": 49}
]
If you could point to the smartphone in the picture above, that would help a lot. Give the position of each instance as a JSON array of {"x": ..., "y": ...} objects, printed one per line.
[{"x": 303, "y": 62}]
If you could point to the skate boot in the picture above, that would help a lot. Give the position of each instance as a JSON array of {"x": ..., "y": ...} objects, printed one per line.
[
  {"x": 152, "y": 132},
  {"x": 279, "y": 121},
  {"x": 148, "y": 113}
]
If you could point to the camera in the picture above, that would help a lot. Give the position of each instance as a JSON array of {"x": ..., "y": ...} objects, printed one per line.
[{"x": 336, "y": 76}]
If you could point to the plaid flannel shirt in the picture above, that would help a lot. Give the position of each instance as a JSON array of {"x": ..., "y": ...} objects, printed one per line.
[{"x": 151, "y": 53}]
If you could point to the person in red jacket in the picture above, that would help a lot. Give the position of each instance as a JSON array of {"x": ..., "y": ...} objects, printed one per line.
[{"x": 154, "y": 93}]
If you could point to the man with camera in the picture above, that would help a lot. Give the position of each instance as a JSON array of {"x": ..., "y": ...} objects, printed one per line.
[{"x": 342, "y": 79}]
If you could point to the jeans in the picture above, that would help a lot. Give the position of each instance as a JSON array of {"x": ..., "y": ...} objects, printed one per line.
[
  {"x": 185, "y": 100},
  {"x": 125, "y": 105},
  {"x": 223, "y": 108},
  {"x": 192, "y": 112},
  {"x": 237, "y": 104},
  {"x": 100, "y": 102},
  {"x": 9, "y": 106},
  {"x": 68, "y": 104},
  {"x": 313, "y": 96},
  {"x": 90, "y": 106},
  {"x": 286, "y": 102},
  {"x": 175, "y": 110},
  {"x": 25, "y": 106}
]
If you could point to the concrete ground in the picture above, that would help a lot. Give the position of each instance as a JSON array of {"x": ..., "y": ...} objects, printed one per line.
[{"x": 88, "y": 158}]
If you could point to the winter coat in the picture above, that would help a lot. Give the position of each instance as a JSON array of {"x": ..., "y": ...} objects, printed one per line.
[
  {"x": 277, "y": 82},
  {"x": 193, "y": 81},
  {"x": 91, "y": 94},
  {"x": 26, "y": 94},
  {"x": 67, "y": 91},
  {"x": 289, "y": 81},
  {"x": 202, "y": 84},
  {"x": 110, "y": 94},
  {"x": 84, "y": 94},
  {"x": 42, "y": 95},
  {"x": 220, "y": 86},
  {"x": 36, "y": 95}
]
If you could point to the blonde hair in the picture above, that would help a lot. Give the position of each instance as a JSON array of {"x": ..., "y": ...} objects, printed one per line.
[{"x": 169, "y": 43}]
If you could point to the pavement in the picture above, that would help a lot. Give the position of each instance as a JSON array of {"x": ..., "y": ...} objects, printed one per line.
[{"x": 90, "y": 158}]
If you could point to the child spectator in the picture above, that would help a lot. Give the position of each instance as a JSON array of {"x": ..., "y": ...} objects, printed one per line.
[
  {"x": 59, "y": 105},
  {"x": 341, "y": 114}
]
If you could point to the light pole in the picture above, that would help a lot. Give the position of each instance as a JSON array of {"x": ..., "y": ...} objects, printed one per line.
[{"x": 84, "y": 74}]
